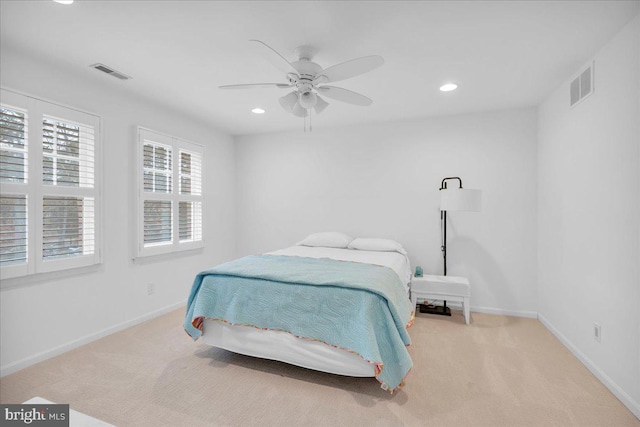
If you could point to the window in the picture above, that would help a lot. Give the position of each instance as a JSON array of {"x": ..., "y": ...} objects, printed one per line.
[
  {"x": 49, "y": 202},
  {"x": 170, "y": 200}
]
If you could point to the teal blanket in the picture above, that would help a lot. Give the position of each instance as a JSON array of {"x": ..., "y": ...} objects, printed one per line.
[{"x": 361, "y": 308}]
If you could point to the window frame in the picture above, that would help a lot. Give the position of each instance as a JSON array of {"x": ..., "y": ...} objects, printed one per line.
[
  {"x": 177, "y": 145},
  {"x": 36, "y": 190}
]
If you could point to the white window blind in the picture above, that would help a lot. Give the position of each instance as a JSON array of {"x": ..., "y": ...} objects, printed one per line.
[
  {"x": 157, "y": 222},
  {"x": 68, "y": 153},
  {"x": 13, "y": 226},
  {"x": 190, "y": 206},
  {"x": 157, "y": 168},
  {"x": 14, "y": 177},
  {"x": 68, "y": 226},
  {"x": 13, "y": 145},
  {"x": 50, "y": 194},
  {"x": 68, "y": 163},
  {"x": 170, "y": 194}
]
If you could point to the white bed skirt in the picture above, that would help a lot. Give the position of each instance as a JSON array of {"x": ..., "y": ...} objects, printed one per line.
[{"x": 282, "y": 346}]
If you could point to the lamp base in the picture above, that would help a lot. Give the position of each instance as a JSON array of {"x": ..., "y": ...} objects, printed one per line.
[{"x": 441, "y": 310}]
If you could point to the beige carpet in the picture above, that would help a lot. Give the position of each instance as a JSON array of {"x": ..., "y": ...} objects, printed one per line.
[{"x": 498, "y": 371}]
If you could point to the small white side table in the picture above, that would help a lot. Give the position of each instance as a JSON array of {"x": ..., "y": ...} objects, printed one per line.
[{"x": 447, "y": 288}]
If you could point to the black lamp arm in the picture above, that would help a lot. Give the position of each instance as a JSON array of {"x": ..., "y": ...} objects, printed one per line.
[{"x": 443, "y": 185}]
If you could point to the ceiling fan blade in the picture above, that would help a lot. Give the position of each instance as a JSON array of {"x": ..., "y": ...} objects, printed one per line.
[
  {"x": 277, "y": 60},
  {"x": 344, "y": 95},
  {"x": 352, "y": 68},
  {"x": 256, "y": 85}
]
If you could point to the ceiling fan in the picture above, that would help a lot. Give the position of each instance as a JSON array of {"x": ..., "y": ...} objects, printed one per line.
[{"x": 309, "y": 80}]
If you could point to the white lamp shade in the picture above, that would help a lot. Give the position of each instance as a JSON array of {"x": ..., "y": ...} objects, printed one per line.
[
  {"x": 298, "y": 111},
  {"x": 321, "y": 104},
  {"x": 289, "y": 101},
  {"x": 460, "y": 199},
  {"x": 308, "y": 100}
]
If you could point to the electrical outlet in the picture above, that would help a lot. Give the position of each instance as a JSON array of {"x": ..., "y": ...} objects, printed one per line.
[
  {"x": 597, "y": 332},
  {"x": 151, "y": 288}
]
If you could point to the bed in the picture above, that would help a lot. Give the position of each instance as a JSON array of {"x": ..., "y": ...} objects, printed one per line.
[{"x": 337, "y": 306}]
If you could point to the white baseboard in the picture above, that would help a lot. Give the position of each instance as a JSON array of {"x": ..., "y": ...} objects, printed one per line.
[
  {"x": 48, "y": 354},
  {"x": 490, "y": 310},
  {"x": 515, "y": 313},
  {"x": 626, "y": 400}
]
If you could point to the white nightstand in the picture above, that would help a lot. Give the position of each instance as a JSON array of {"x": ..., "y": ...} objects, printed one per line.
[{"x": 445, "y": 288}]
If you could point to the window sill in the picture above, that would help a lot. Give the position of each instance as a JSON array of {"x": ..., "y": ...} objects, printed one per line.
[
  {"x": 41, "y": 278},
  {"x": 146, "y": 259}
]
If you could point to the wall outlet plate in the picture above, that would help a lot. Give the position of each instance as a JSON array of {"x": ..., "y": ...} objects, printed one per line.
[{"x": 597, "y": 332}]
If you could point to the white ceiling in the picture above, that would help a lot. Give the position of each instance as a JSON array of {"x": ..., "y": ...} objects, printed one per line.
[{"x": 503, "y": 54}]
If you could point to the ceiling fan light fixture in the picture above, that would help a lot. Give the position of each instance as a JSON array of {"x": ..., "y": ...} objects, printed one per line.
[
  {"x": 298, "y": 111},
  {"x": 448, "y": 87},
  {"x": 257, "y": 111},
  {"x": 308, "y": 100},
  {"x": 321, "y": 104},
  {"x": 289, "y": 101}
]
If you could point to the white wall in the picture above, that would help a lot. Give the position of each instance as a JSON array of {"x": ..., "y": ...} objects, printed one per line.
[
  {"x": 589, "y": 212},
  {"x": 382, "y": 180},
  {"x": 42, "y": 316}
]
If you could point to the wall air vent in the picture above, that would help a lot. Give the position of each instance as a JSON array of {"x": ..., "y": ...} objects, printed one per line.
[
  {"x": 110, "y": 71},
  {"x": 582, "y": 86}
]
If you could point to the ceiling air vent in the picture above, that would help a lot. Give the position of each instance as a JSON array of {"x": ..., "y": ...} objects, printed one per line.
[
  {"x": 110, "y": 71},
  {"x": 582, "y": 86}
]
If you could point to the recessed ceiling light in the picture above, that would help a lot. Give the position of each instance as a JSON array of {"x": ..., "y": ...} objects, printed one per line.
[
  {"x": 63, "y": 1},
  {"x": 257, "y": 111},
  {"x": 448, "y": 87}
]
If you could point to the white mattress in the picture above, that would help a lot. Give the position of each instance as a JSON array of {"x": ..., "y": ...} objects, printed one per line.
[
  {"x": 282, "y": 346},
  {"x": 278, "y": 345}
]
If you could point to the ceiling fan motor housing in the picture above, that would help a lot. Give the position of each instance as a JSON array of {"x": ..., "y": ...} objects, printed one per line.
[{"x": 307, "y": 69}]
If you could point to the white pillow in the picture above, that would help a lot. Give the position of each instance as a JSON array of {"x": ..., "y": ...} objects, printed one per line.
[
  {"x": 380, "y": 245},
  {"x": 329, "y": 239}
]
